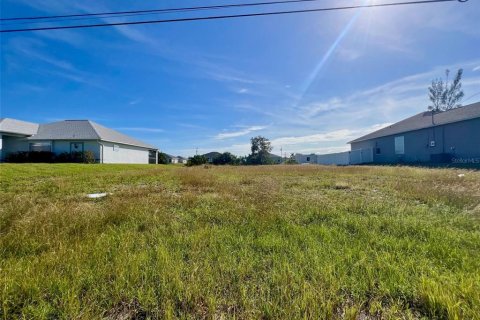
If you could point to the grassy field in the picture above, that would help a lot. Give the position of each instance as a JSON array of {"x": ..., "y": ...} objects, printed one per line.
[{"x": 273, "y": 242}]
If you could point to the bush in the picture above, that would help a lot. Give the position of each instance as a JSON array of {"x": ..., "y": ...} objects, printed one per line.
[
  {"x": 31, "y": 156},
  {"x": 225, "y": 158},
  {"x": 49, "y": 157},
  {"x": 291, "y": 160},
  {"x": 196, "y": 160},
  {"x": 162, "y": 158},
  {"x": 63, "y": 157},
  {"x": 261, "y": 157},
  {"x": 88, "y": 157},
  {"x": 17, "y": 157}
]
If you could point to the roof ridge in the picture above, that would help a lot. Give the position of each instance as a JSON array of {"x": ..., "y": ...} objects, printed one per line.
[{"x": 92, "y": 124}]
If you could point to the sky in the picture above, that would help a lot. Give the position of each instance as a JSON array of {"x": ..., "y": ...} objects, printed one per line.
[{"x": 309, "y": 82}]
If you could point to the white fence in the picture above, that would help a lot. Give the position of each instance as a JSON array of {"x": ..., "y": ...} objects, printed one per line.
[{"x": 346, "y": 158}]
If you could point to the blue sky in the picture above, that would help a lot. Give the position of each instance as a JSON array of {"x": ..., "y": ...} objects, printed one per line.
[{"x": 309, "y": 82}]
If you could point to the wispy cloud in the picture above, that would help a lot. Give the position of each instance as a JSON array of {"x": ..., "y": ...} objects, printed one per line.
[
  {"x": 239, "y": 133},
  {"x": 242, "y": 90},
  {"x": 477, "y": 68},
  {"x": 31, "y": 48},
  {"x": 331, "y": 136},
  {"x": 140, "y": 129},
  {"x": 72, "y": 38},
  {"x": 36, "y": 50},
  {"x": 134, "y": 102},
  {"x": 387, "y": 102}
]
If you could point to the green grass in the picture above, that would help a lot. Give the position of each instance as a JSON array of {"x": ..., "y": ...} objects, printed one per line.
[{"x": 274, "y": 242}]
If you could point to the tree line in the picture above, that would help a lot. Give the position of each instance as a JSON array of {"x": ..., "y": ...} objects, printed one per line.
[{"x": 259, "y": 155}]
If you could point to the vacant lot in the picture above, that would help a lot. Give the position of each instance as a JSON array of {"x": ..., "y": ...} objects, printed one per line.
[{"x": 239, "y": 242}]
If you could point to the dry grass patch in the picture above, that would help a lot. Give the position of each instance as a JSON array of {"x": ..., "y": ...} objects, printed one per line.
[{"x": 274, "y": 242}]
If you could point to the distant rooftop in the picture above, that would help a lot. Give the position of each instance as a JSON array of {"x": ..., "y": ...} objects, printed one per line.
[{"x": 424, "y": 120}]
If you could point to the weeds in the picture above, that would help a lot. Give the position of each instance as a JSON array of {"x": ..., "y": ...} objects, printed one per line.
[{"x": 239, "y": 242}]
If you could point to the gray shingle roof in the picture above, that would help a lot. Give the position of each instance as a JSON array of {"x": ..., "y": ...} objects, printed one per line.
[
  {"x": 111, "y": 135},
  {"x": 8, "y": 125},
  {"x": 84, "y": 130},
  {"x": 424, "y": 120}
]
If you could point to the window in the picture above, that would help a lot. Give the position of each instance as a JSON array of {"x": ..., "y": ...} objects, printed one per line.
[
  {"x": 377, "y": 151},
  {"x": 116, "y": 147},
  {"x": 76, "y": 147},
  {"x": 400, "y": 145},
  {"x": 308, "y": 159},
  {"x": 41, "y": 146}
]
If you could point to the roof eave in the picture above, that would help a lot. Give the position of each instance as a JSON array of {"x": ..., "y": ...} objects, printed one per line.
[
  {"x": 16, "y": 133},
  {"x": 130, "y": 144}
]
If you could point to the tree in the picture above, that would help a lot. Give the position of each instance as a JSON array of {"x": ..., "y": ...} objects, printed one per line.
[
  {"x": 444, "y": 95},
  {"x": 225, "y": 158},
  {"x": 162, "y": 158},
  {"x": 196, "y": 160},
  {"x": 291, "y": 160},
  {"x": 261, "y": 148}
]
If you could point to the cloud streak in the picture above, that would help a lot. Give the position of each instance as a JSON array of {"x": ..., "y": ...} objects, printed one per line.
[
  {"x": 239, "y": 133},
  {"x": 141, "y": 129},
  {"x": 332, "y": 136}
]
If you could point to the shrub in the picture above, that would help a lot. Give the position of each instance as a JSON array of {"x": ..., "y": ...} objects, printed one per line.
[
  {"x": 196, "y": 160},
  {"x": 260, "y": 157},
  {"x": 49, "y": 157},
  {"x": 291, "y": 160},
  {"x": 76, "y": 156},
  {"x": 31, "y": 156},
  {"x": 18, "y": 157},
  {"x": 88, "y": 157},
  {"x": 225, "y": 158},
  {"x": 162, "y": 158},
  {"x": 63, "y": 157}
]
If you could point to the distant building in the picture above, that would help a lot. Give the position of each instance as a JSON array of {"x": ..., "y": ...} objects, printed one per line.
[
  {"x": 428, "y": 137},
  {"x": 211, "y": 155},
  {"x": 182, "y": 160},
  {"x": 306, "y": 158},
  {"x": 176, "y": 159},
  {"x": 339, "y": 158},
  {"x": 449, "y": 136},
  {"x": 275, "y": 158},
  {"x": 107, "y": 145}
]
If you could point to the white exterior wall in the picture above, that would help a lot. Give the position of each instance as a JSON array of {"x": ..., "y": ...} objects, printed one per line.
[
  {"x": 305, "y": 158},
  {"x": 339, "y": 159},
  {"x": 124, "y": 153},
  {"x": 360, "y": 156}
]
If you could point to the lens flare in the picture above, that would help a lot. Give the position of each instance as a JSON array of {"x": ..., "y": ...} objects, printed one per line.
[{"x": 318, "y": 68}]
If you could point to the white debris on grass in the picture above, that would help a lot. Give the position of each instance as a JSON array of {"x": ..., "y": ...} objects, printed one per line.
[
  {"x": 461, "y": 175},
  {"x": 96, "y": 195}
]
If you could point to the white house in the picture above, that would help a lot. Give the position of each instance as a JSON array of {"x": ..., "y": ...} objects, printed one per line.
[
  {"x": 108, "y": 146},
  {"x": 176, "y": 159}
]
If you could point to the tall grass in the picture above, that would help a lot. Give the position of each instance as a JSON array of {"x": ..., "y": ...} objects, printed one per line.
[{"x": 239, "y": 242}]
